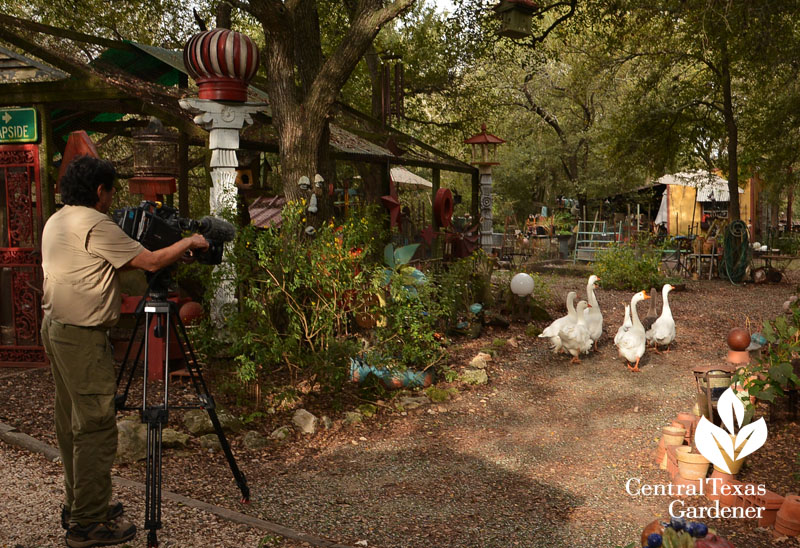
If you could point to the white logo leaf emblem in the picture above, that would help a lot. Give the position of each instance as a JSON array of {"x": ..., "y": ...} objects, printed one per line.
[
  {"x": 727, "y": 406},
  {"x": 709, "y": 438},
  {"x": 754, "y": 435}
]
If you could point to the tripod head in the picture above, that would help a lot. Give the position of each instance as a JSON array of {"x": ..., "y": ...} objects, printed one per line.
[{"x": 158, "y": 284}]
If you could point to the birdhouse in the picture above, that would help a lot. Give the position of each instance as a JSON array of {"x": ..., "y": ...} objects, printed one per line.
[
  {"x": 484, "y": 148},
  {"x": 154, "y": 151},
  {"x": 515, "y": 17},
  {"x": 154, "y": 166}
]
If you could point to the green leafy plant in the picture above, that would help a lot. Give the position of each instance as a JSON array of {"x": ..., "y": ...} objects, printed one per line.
[
  {"x": 788, "y": 245},
  {"x": 295, "y": 294},
  {"x": 773, "y": 373},
  {"x": 407, "y": 336},
  {"x": 623, "y": 266},
  {"x": 563, "y": 222},
  {"x": 461, "y": 284}
]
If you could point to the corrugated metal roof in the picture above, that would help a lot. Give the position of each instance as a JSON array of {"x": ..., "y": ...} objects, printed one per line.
[
  {"x": 265, "y": 211},
  {"x": 134, "y": 73},
  {"x": 15, "y": 67},
  {"x": 710, "y": 186},
  {"x": 405, "y": 177}
]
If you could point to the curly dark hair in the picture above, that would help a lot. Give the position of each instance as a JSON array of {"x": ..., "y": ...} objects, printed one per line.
[{"x": 84, "y": 174}]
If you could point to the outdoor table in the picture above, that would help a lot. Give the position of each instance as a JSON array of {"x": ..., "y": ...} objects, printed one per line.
[
  {"x": 699, "y": 259},
  {"x": 773, "y": 262}
]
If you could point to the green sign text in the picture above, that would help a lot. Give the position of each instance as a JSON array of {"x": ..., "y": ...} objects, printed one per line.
[{"x": 18, "y": 125}]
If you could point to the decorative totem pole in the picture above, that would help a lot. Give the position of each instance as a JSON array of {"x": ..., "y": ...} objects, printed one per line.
[{"x": 484, "y": 155}]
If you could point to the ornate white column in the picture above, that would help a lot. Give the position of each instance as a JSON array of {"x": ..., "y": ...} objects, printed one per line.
[
  {"x": 487, "y": 239},
  {"x": 223, "y": 122},
  {"x": 222, "y": 62}
]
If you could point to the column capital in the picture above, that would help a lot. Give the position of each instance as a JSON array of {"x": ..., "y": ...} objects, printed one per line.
[{"x": 216, "y": 115}]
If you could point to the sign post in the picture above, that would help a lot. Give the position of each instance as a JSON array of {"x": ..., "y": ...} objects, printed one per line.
[{"x": 18, "y": 125}]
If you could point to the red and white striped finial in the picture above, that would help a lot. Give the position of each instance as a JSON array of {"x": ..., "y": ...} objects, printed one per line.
[{"x": 222, "y": 62}]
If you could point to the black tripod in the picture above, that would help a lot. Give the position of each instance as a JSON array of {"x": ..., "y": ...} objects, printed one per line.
[{"x": 161, "y": 315}]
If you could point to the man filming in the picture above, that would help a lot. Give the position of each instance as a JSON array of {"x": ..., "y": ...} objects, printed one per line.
[{"x": 83, "y": 251}]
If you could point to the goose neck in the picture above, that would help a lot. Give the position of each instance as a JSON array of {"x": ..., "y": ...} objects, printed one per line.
[
  {"x": 635, "y": 316},
  {"x": 590, "y": 295}
]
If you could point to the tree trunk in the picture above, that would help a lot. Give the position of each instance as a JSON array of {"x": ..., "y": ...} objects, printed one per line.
[
  {"x": 733, "y": 137},
  {"x": 303, "y": 85},
  {"x": 299, "y": 146}
]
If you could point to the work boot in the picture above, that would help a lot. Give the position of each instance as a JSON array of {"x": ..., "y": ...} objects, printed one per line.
[
  {"x": 115, "y": 510},
  {"x": 100, "y": 534}
]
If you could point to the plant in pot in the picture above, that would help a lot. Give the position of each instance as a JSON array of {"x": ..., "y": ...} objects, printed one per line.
[{"x": 773, "y": 377}]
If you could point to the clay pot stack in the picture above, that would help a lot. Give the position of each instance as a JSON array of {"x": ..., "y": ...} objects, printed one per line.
[
  {"x": 680, "y": 432},
  {"x": 787, "y": 520},
  {"x": 685, "y": 466}
]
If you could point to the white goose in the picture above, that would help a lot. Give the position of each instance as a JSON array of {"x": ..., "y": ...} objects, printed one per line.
[
  {"x": 632, "y": 343},
  {"x": 626, "y": 324},
  {"x": 662, "y": 333},
  {"x": 594, "y": 318},
  {"x": 575, "y": 337},
  {"x": 551, "y": 331}
]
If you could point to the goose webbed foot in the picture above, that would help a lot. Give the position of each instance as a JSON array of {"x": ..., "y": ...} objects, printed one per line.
[{"x": 635, "y": 368}]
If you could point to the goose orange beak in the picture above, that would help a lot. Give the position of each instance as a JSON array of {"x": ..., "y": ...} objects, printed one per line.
[{"x": 646, "y": 296}]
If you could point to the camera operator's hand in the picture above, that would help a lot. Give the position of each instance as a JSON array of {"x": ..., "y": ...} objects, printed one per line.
[
  {"x": 156, "y": 260},
  {"x": 197, "y": 241}
]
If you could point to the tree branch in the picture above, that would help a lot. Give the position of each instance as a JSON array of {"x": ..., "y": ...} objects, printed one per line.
[{"x": 338, "y": 67}]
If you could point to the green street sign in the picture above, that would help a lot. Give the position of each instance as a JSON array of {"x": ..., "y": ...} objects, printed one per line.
[{"x": 18, "y": 125}]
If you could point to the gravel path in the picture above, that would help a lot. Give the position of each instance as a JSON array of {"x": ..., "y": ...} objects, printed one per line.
[
  {"x": 539, "y": 457},
  {"x": 32, "y": 495}
]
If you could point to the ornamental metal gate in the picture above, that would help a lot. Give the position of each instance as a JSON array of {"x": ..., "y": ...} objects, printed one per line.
[{"x": 20, "y": 257}]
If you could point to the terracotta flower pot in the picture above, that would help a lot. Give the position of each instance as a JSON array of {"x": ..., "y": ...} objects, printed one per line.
[
  {"x": 692, "y": 466},
  {"x": 715, "y": 482},
  {"x": 688, "y": 420},
  {"x": 673, "y": 435},
  {"x": 790, "y": 509},
  {"x": 786, "y": 526}
]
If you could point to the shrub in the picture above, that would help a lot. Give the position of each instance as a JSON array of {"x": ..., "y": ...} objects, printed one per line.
[
  {"x": 788, "y": 244},
  {"x": 463, "y": 283},
  {"x": 621, "y": 266},
  {"x": 295, "y": 295},
  {"x": 407, "y": 335}
]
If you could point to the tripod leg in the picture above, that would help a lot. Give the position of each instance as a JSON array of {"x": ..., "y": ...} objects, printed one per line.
[
  {"x": 208, "y": 402},
  {"x": 226, "y": 448},
  {"x": 156, "y": 418},
  {"x": 130, "y": 367}
]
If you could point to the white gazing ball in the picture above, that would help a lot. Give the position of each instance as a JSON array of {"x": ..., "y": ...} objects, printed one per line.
[{"x": 522, "y": 284}]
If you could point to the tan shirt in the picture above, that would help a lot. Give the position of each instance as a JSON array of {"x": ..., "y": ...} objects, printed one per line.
[{"x": 82, "y": 249}]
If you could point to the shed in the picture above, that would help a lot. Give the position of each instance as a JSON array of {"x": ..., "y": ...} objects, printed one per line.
[{"x": 694, "y": 196}]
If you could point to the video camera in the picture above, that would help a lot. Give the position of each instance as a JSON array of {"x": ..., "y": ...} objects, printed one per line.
[{"x": 156, "y": 226}]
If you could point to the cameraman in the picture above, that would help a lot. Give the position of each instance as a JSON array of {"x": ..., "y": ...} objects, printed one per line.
[{"x": 82, "y": 252}]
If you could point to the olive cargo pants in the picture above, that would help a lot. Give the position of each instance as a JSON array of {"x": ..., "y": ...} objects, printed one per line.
[{"x": 86, "y": 428}]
